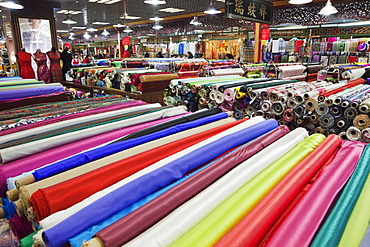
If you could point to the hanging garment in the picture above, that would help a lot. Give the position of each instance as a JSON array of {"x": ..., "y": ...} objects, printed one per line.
[
  {"x": 43, "y": 73},
  {"x": 24, "y": 59},
  {"x": 55, "y": 69},
  {"x": 67, "y": 62}
]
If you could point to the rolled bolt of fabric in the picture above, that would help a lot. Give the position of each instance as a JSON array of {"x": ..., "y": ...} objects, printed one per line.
[
  {"x": 149, "y": 214},
  {"x": 23, "y": 150},
  {"x": 358, "y": 221},
  {"x": 333, "y": 227},
  {"x": 21, "y": 227},
  {"x": 366, "y": 239},
  {"x": 353, "y": 134},
  {"x": 158, "y": 127},
  {"x": 343, "y": 136},
  {"x": 12, "y": 194},
  {"x": 305, "y": 218},
  {"x": 288, "y": 115},
  {"x": 361, "y": 121},
  {"x": 29, "y": 92},
  {"x": 326, "y": 121},
  {"x": 153, "y": 147},
  {"x": 166, "y": 231},
  {"x": 155, "y": 181},
  {"x": 221, "y": 220},
  {"x": 48, "y": 157},
  {"x": 251, "y": 230},
  {"x": 105, "y": 151}
]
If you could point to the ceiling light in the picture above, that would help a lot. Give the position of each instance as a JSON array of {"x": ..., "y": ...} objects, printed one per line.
[
  {"x": 328, "y": 9},
  {"x": 171, "y": 10},
  {"x": 71, "y": 37},
  {"x": 91, "y": 29},
  {"x": 157, "y": 26},
  {"x": 105, "y": 33},
  {"x": 71, "y": 32},
  {"x": 128, "y": 17},
  {"x": 357, "y": 23},
  {"x": 127, "y": 29},
  {"x": 299, "y": 1},
  {"x": 11, "y": 4},
  {"x": 212, "y": 10},
  {"x": 111, "y": 2},
  {"x": 76, "y": 27},
  {"x": 195, "y": 21},
  {"x": 100, "y": 23},
  {"x": 155, "y": 2},
  {"x": 156, "y": 18},
  {"x": 119, "y": 24},
  {"x": 62, "y": 31},
  {"x": 69, "y": 20},
  {"x": 86, "y": 35},
  {"x": 72, "y": 12}
]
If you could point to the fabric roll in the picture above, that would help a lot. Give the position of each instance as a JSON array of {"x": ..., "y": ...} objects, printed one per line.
[
  {"x": 151, "y": 148},
  {"x": 252, "y": 229},
  {"x": 353, "y": 134},
  {"x": 170, "y": 228},
  {"x": 188, "y": 118},
  {"x": 28, "y": 240},
  {"x": 21, "y": 227},
  {"x": 153, "y": 211},
  {"x": 326, "y": 121},
  {"x": 52, "y": 235},
  {"x": 332, "y": 229},
  {"x": 87, "y": 181},
  {"x": 359, "y": 220},
  {"x": 288, "y": 115},
  {"x": 366, "y": 240},
  {"x": 336, "y": 111},
  {"x": 221, "y": 220},
  {"x": 322, "y": 109},
  {"x": 72, "y": 122},
  {"x": 361, "y": 121},
  {"x": 305, "y": 218},
  {"x": 350, "y": 113},
  {"x": 29, "y": 92},
  {"x": 19, "y": 151},
  {"x": 365, "y": 106},
  {"x": 311, "y": 104}
]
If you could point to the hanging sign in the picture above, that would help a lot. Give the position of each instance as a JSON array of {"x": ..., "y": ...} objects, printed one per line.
[{"x": 250, "y": 10}]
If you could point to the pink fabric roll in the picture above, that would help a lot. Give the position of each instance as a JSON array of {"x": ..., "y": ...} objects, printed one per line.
[
  {"x": 300, "y": 226},
  {"x": 38, "y": 160}
]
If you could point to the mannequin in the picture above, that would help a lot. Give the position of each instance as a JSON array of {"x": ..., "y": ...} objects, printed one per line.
[
  {"x": 43, "y": 73},
  {"x": 24, "y": 60},
  {"x": 55, "y": 69},
  {"x": 67, "y": 61}
]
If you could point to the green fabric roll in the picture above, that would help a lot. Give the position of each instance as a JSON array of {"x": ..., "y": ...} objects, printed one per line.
[
  {"x": 211, "y": 229},
  {"x": 359, "y": 220},
  {"x": 331, "y": 231},
  {"x": 117, "y": 64},
  {"x": 28, "y": 241}
]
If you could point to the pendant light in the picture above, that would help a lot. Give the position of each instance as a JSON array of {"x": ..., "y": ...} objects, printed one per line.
[
  {"x": 299, "y": 1},
  {"x": 155, "y": 2},
  {"x": 156, "y": 17},
  {"x": 195, "y": 21},
  {"x": 11, "y": 4},
  {"x": 127, "y": 29},
  {"x": 105, "y": 33},
  {"x": 68, "y": 20},
  {"x": 328, "y": 9},
  {"x": 212, "y": 9},
  {"x": 157, "y": 26},
  {"x": 87, "y": 35}
]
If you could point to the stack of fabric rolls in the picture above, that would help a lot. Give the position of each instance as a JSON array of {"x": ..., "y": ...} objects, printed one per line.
[{"x": 200, "y": 179}]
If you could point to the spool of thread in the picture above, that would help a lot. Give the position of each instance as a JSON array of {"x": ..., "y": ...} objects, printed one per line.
[
  {"x": 277, "y": 108},
  {"x": 326, "y": 121},
  {"x": 343, "y": 136},
  {"x": 322, "y": 109},
  {"x": 350, "y": 113},
  {"x": 353, "y": 134},
  {"x": 288, "y": 115},
  {"x": 361, "y": 121}
]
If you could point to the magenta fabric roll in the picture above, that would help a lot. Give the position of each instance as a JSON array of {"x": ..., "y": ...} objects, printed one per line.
[
  {"x": 114, "y": 106},
  {"x": 300, "y": 226},
  {"x": 38, "y": 160}
]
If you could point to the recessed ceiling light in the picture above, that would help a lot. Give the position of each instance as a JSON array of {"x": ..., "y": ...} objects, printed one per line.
[
  {"x": 62, "y": 31},
  {"x": 171, "y": 10},
  {"x": 155, "y": 2},
  {"x": 112, "y": 1},
  {"x": 128, "y": 17},
  {"x": 93, "y": 1},
  {"x": 91, "y": 29},
  {"x": 72, "y": 12},
  {"x": 100, "y": 23},
  {"x": 76, "y": 27}
]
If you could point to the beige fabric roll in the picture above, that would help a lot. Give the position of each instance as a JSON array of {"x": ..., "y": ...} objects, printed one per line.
[
  {"x": 25, "y": 192},
  {"x": 95, "y": 242},
  {"x": 160, "y": 77}
]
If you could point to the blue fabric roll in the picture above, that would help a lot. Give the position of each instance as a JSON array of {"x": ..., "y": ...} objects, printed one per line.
[
  {"x": 98, "y": 153},
  {"x": 8, "y": 207},
  {"x": 332, "y": 229},
  {"x": 29, "y": 92},
  {"x": 143, "y": 186},
  {"x": 366, "y": 240}
]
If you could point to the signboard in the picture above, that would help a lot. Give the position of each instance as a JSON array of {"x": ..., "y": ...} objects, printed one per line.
[{"x": 250, "y": 10}]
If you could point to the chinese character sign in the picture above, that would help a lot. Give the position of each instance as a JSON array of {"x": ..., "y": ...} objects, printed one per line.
[{"x": 251, "y": 10}]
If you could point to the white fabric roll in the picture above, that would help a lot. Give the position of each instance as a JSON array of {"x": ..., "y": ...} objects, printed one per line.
[
  {"x": 174, "y": 225},
  {"x": 26, "y": 149},
  {"x": 353, "y": 74},
  {"x": 55, "y": 218}
]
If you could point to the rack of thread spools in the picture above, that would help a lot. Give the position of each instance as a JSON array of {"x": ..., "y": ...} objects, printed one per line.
[{"x": 319, "y": 106}]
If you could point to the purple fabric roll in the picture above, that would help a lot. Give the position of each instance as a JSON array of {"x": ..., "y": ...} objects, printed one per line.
[
  {"x": 24, "y": 93},
  {"x": 35, "y": 161},
  {"x": 21, "y": 227}
]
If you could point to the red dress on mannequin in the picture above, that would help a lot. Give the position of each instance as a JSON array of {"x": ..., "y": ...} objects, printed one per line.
[
  {"x": 55, "y": 69},
  {"x": 24, "y": 59}
]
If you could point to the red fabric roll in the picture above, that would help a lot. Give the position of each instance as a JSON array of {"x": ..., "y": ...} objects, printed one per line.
[
  {"x": 63, "y": 195},
  {"x": 253, "y": 228},
  {"x": 350, "y": 84},
  {"x": 144, "y": 217}
]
